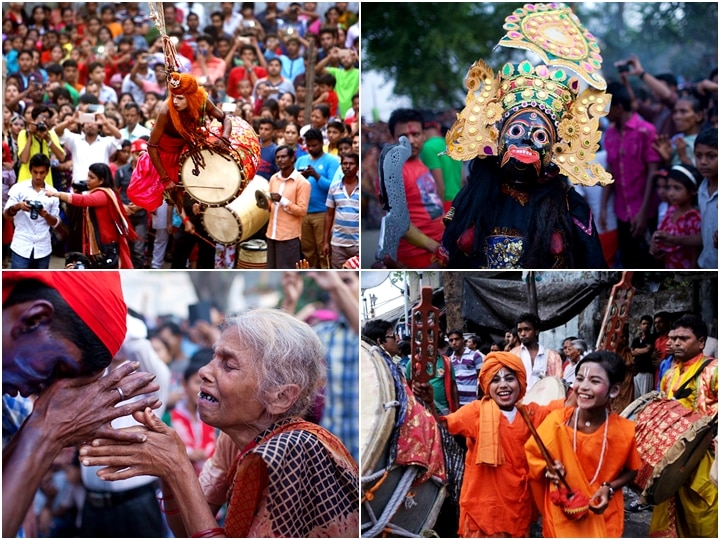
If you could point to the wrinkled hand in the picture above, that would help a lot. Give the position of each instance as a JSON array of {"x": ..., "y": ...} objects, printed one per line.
[
  {"x": 75, "y": 410},
  {"x": 159, "y": 455}
]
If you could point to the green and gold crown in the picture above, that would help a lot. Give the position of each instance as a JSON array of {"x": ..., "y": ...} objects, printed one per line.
[{"x": 553, "y": 88}]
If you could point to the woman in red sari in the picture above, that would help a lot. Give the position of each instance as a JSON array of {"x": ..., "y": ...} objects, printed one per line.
[{"x": 106, "y": 229}]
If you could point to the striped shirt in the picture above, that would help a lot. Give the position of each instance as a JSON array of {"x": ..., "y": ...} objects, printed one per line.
[
  {"x": 466, "y": 369},
  {"x": 346, "y": 227}
]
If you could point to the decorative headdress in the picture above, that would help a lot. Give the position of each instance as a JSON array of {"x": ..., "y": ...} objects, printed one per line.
[{"x": 571, "y": 57}]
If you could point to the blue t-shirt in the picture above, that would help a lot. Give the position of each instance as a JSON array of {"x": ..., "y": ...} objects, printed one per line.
[
  {"x": 267, "y": 166},
  {"x": 325, "y": 165}
]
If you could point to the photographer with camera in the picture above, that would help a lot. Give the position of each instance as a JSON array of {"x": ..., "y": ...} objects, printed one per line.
[
  {"x": 38, "y": 138},
  {"x": 33, "y": 214}
]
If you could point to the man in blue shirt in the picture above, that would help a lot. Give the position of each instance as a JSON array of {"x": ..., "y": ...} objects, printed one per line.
[{"x": 319, "y": 168}]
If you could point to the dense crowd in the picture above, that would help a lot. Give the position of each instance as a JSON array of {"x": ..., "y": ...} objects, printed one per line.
[{"x": 83, "y": 76}]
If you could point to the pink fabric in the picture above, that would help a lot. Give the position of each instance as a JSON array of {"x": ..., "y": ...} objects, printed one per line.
[
  {"x": 687, "y": 224},
  {"x": 628, "y": 155}
]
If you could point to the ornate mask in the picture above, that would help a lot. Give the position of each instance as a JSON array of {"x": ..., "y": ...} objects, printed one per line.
[{"x": 525, "y": 145}]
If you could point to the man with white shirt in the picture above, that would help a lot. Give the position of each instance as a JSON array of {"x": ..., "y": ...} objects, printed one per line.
[
  {"x": 31, "y": 245},
  {"x": 133, "y": 130},
  {"x": 289, "y": 196},
  {"x": 539, "y": 362},
  {"x": 89, "y": 146}
]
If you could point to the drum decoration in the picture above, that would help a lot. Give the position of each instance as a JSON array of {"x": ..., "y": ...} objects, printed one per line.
[
  {"x": 671, "y": 440},
  {"x": 616, "y": 314},
  {"x": 239, "y": 220},
  {"x": 424, "y": 328},
  {"x": 215, "y": 176},
  {"x": 398, "y": 498}
]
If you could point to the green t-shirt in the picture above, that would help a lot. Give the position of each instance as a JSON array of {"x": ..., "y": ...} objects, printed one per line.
[
  {"x": 438, "y": 383},
  {"x": 347, "y": 83},
  {"x": 451, "y": 169}
]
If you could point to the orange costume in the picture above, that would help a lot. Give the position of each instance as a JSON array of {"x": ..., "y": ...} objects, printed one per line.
[
  {"x": 620, "y": 453},
  {"x": 495, "y": 497}
]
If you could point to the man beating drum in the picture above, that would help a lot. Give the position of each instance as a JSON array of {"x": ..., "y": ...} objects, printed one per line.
[{"x": 693, "y": 381}]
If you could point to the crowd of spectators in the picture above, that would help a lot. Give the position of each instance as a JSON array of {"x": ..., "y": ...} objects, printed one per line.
[
  {"x": 659, "y": 132},
  {"x": 107, "y": 61}
]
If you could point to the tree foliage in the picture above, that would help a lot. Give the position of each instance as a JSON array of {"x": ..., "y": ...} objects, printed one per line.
[{"x": 426, "y": 48}]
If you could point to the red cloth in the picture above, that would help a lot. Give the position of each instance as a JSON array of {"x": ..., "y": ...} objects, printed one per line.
[
  {"x": 195, "y": 434},
  {"x": 106, "y": 219},
  {"x": 236, "y": 75},
  {"x": 146, "y": 189},
  {"x": 96, "y": 297},
  {"x": 686, "y": 224}
]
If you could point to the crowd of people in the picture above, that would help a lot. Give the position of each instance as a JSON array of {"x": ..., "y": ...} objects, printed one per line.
[
  {"x": 476, "y": 394},
  {"x": 659, "y": 212},
  {"x": 87, "y": 85},
  {"x": 271, "y": 393}
]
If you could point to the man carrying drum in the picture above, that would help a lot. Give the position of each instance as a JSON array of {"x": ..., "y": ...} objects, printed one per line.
[{"x": 693, "y": 381}]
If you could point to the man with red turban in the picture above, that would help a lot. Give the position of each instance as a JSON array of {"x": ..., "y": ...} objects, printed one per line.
[
  {"x": 495, "y": 499},
  {"x": 60, "y": 331}
]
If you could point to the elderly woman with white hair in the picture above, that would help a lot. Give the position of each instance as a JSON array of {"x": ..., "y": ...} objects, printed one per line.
[
  {"x": 576, "y": 351},
  {"x": 286, "y": 477}
]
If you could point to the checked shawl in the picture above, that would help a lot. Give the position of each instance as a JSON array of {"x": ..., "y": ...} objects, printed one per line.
[{"x": 296, "y": 479}]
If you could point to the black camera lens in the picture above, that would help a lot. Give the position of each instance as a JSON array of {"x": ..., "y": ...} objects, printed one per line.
[
  {"x": 41, "y": 126},
  {"x": 35, "y": 207}
]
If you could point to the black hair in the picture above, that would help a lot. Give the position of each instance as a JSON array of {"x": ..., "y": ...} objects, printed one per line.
[
  {"x": 132, "y": 105},
  {"x": 88, "y": 99},
  {"x": 103, "y": 173},
  {"x": 530, "y": 318},
  {"x": 613, "y": 365},
  {"x": 290, "y": 150},
  {"x": 313, "y": 134},
  {"x": 405, "y": 347},
  {"x": 376, "y": 329},
  {"x": 327, "y": 79},
  {"x": 707, "y": 137},
  {"x": 265, "y": 120},
  {"x": 202, "y": 357},
  {"x": 337, "y": 124},
  {"x": 37, "y": 111},
  {"x": 39, "y": 160},
  {"x": 66, "y": 323},
  {"x": 94, "y": 65},
  {"x": 664, "y": 315},
  {"x": 677, "y": 173},
  {"x": 620, "y": 95},
  {"x": 174, "y": 328},
  {"x": 646, "y": 318},
  {"x": 324, "y": 109},
  {"x": 353, "y": 156},
  {"x": 402, "y": 116},
  {"x": 667, "y": 78},
  {"x": 54, "y": 69},
  {"x": 457, "y": 331},
  {"x": 694, "y": 323}
]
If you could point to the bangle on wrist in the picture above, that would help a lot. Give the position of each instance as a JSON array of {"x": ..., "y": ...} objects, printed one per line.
[
  {"x": 642, "y": 74},
  {"x": 611, "y": 491},
  {"x": 209, "y": 533}
]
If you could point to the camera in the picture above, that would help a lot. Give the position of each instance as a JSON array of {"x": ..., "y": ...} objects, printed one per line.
[
  {"x": 77, "y": 261},
  {"x": 80, "y": 186},
  {"x": 35, "y": 207},
  {"x": 41, "y": 126},
  {"x": 624, "y": 68}
]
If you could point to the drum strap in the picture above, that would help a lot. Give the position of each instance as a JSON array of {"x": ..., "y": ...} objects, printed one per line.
[{"x": 683, "y": 392}]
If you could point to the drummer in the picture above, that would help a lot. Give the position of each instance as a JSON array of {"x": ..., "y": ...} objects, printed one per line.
[
  {"x": 693, "y": 510},
  {"x": 181, "y": 123},
  {"x": 495, "y": 499}
]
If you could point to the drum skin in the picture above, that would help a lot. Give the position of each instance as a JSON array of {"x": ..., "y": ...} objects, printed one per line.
[
  {"x": 546, "y": 390},
  {"x": 238, "y": 220},
  {"x": 216, "y": 176},
  {"x": 252, "y": 254}
]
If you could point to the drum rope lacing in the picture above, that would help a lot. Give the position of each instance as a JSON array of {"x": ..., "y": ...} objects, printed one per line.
[
  {"x": 604, "y": 443},
  {"x": 382, "y": 523}
]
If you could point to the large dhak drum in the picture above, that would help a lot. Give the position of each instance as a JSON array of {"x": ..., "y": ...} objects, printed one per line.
[
  {"x": 546, "y": 390},
  {"x": 238, "y": 220},
  {"x": 391, "y": 502},
  {"x": 216, "y": 176},
  {"x": 671, "y": 440}
]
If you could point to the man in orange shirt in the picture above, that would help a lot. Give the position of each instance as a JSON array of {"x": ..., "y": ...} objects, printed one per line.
[{"x": 289, "y": 199}]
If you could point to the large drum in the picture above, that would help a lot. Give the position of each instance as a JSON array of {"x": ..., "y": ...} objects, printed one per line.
[
  {"x": 671, "y": 440},
  {"x": 545, "y": 390},
  {"x": 215, "y": 177},
  {"x": 238, "y": 220},
  {"x": 252, "y": 254},
  {"x": 392, "y": 504}
]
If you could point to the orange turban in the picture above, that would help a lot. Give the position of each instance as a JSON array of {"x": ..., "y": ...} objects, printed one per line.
[
  {"x": 494, "y": 362},
  {"x": 489, "y": 451},
  {"x": 96, "y": 297},
  {"x": 187, "y": 121}
]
